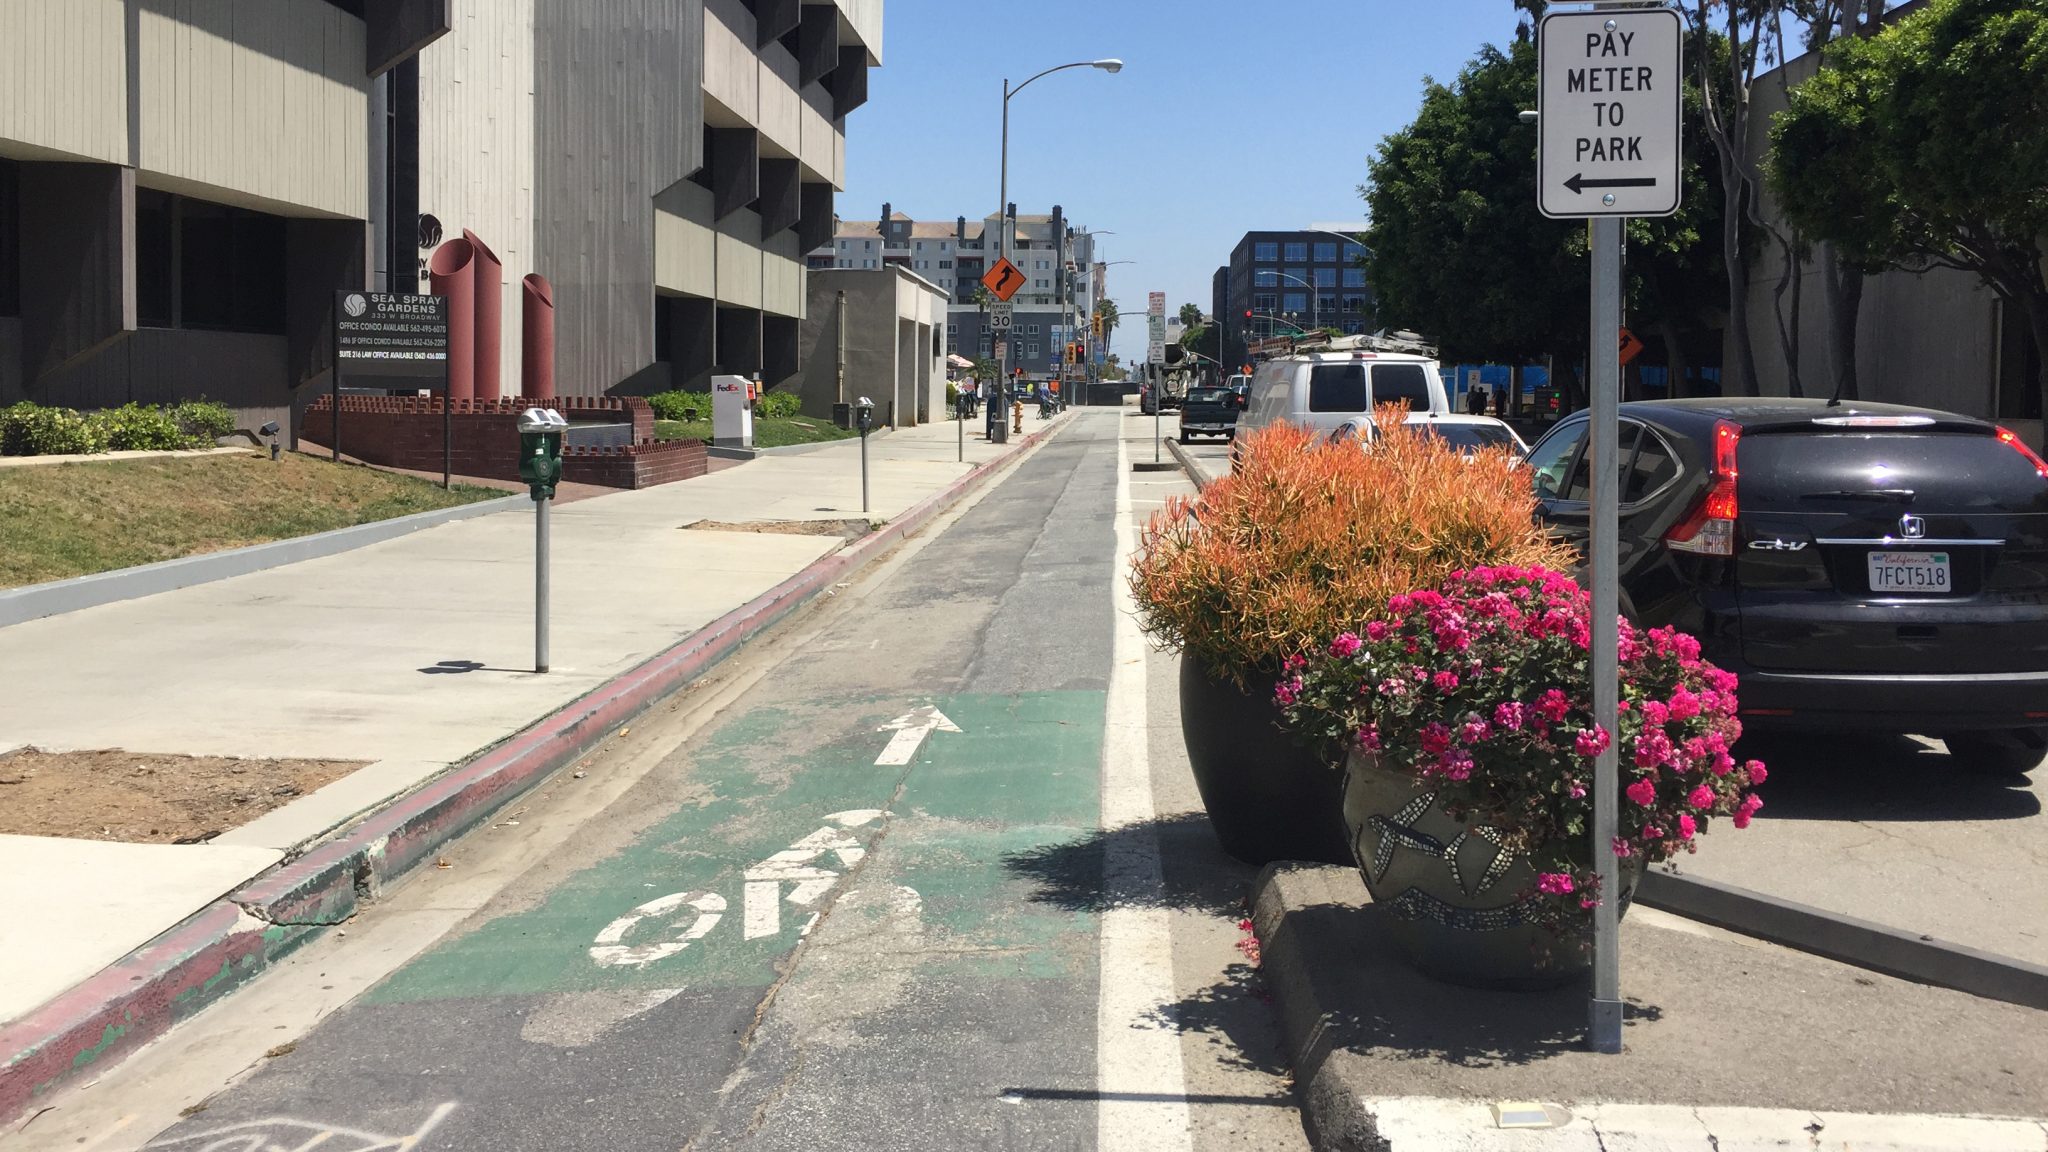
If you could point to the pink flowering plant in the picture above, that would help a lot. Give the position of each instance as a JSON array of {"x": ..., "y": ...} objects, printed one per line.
[{"x": 1480, "y": 689}]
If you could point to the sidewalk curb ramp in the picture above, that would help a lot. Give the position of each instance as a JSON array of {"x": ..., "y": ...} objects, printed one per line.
[
  {"x": 219, "y": 948},
  {"x": 20, "y": 605}
]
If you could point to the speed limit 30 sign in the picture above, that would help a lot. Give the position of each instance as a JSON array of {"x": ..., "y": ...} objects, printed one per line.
[{"x": 1608, "y": 100}]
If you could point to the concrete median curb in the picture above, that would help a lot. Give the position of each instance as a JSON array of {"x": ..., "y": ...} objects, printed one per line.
[
  {"x": 219, "y": 948},
  {"x": 18, "y": 605},
  {"x": 1892, "y": 951},
  {"x": 1194, "y": 468}
]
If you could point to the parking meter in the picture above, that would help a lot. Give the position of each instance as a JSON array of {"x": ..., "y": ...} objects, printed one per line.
[
  {"x": 540, "y": 450},
  {"x": 864, "y": 418}
]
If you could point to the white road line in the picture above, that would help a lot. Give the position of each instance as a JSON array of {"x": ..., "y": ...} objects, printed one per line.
[{"x": 1137, "y": 1060}]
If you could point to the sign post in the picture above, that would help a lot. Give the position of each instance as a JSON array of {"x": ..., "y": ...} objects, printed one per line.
[
  {"x": 1608, "y": 94},
  {"x": 397, "y": 343}
]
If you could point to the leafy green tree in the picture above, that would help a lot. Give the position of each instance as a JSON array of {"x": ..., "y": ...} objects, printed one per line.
[
  {"x": 1106, "y": 309},
  {"x": 1190, "y": 316},
  {"x": 1926, "y": 145},
  {"x": 1459, "y": 252}
]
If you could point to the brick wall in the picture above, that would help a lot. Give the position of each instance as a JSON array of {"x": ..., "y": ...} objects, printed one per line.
[{"x": 405, "y": 432}]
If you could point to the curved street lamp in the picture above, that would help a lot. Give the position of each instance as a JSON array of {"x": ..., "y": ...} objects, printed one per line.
[{"x": 1107, "y": 64}]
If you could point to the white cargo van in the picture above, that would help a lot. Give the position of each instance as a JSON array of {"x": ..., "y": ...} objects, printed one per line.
[{"x": 1327, "y": 390}]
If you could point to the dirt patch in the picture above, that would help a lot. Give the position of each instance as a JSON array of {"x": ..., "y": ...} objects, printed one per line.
[
  {"x": 844, "y": 529},
  {"x": 145, "y": 798}
]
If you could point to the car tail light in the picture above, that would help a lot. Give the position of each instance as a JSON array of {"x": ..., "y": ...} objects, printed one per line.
[
  {"x": 1709, "y": 529},
  {"x": 2006, "y": 436}
]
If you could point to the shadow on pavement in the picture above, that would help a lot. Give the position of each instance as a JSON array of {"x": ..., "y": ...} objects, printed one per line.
[
  {"x": 1197, "y": 876},
  {"x": 1879, "y": 778},
  {"x": 1235, "y": 1014},
  {"x": 1397, "y": 1013}
]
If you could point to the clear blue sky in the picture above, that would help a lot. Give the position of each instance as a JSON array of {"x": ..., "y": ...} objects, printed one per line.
[{"x": 1227, "y": 117}]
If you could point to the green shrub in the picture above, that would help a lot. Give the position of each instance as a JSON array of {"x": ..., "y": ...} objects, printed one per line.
[
  {"x": 139, "y": 428},
  {"x": 670, "y": 405},
  {"x": 778, "y": 405},
  {"x": 203, "y": 421},
  {"x": 28, "y": 429}
]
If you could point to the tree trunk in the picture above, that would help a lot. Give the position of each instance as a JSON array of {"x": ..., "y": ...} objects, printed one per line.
[
  {"x": 2037, "y": 323},
  {"x": 1744, "y": 367},
  {"x": 1845, "y": 307},
  {"x": 1674, "y": 358},
  {"x": 1788, "y": 327}
]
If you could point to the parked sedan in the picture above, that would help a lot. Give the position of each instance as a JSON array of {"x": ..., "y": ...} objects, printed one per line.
[{"x": 1860, "y": 566}]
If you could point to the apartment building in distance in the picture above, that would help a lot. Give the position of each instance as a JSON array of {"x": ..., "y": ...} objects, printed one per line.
[
  {"x": 184, "y": 185},
  {"x": 1057, "y": 259}
]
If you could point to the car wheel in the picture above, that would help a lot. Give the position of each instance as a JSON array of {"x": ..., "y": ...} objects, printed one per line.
[
  {"x": 1183, "y": 438},
  {"x": 1997, "y": 753}
]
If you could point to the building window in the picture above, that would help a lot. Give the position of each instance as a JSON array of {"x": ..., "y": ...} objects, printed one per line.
[
  {"x": 1297, "y": 250},
  {"x": 867, "y": 245},
  {"x": 1297, "y": 301},
  {"x": 1354, "y": 252},
  {"x": 1266, "y": 250},
  {"x": 1031, "y": 349},
  {"x": 1297, "y": 276},
  {"x": 1326, "y": 277},
  {"x": 1266, "y": 278},
  {"x": 1328, "y": 304},
  {"x": 207, "y": 266},
  {"x": 920, "y": 245},
  {"x": 1042, "y": 284},
  {"x": 842, "y": 245},
  {"x": 1354, "y": 277},
  {"x": 1356, "y": 304},
  {"x": 1031, "y": 329},
  {"x": 1265, "y": 304},
  {"x": 944, "y": 265},
  {"x": 1326, "y": 252},
  {"x": 952, "y": 330}
]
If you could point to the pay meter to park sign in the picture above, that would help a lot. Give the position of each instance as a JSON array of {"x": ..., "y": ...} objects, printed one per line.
[
  {"x": 1608, "y": 105},
  {"x": 1608, "y": 92}
]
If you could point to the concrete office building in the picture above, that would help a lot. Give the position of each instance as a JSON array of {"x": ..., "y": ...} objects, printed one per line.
[
  {"x": 1939, "y": 338},
  {"x": 183, "y": 185},
  {"x": 954, "y": 256},
  {"x": 1305, "y": 278}
]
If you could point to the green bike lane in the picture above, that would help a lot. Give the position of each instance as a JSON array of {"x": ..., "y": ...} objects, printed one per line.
[{"x": 774, "y": 940}]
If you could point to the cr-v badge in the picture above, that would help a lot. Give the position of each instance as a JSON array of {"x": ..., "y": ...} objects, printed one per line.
[{"x": 1778, "y": 545}]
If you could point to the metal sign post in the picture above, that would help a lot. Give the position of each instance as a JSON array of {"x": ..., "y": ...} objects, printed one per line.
[{"x": 1608, "y": 89}]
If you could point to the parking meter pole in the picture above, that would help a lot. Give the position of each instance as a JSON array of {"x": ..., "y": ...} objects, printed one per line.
[
  {"x": 1158, "y": 420},
  {"x": 1604, "y": 1031},
  {"x": 540, "y": 583},
  {"x": 863, "y": 467},
  {"x": 960, "y": 426}
]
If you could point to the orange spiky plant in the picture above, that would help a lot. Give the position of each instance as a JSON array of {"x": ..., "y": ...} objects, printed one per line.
[{"x": 1308, "y": 539}]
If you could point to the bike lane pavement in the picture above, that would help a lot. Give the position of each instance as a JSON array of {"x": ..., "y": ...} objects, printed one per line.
[{"x": 642, "y": 989}]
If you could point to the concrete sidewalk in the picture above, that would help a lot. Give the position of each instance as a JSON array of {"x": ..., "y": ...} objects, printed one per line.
[
  {"x": 412, "y": 654},
  {"x": 1729, "y": 1043}
]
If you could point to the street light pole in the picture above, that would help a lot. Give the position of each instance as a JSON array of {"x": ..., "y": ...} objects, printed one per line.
[
  {"x": 1314, "y": 313},
  {"x": 998, "y": 430}
]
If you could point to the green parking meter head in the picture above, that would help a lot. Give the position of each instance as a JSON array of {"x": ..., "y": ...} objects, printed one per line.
[
  {"x": 540, "y": 450},
  {"x": 864, "y": 414}
]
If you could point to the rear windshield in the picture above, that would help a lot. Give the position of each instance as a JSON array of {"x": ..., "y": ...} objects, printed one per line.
[
  {"x": 1337, "y": 388},
  {"x": 1923, "y": 469},
  {"x": 1207, "y": 395},
  {"x": 1469, "y": 436},
  {"x": 1394, "y": 383}
]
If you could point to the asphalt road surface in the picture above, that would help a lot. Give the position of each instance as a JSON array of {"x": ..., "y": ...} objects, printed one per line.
[{"x": 934, "y": 877}]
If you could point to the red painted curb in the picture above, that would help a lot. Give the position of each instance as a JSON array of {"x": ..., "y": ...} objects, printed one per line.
[{"x": 214, "y": 951}]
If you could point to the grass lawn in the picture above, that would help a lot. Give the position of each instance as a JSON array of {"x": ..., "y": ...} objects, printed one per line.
[
  {"x": 64, "y": 520},
  {"x": 768, "y": 433}
]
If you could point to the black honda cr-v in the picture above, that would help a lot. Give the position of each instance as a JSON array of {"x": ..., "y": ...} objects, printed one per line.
[{"x": 1861, "y": 566}]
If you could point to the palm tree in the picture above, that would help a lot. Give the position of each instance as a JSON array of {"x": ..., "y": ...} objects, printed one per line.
[
  {"x": 1106, "y": 309},
  {"x": 1190, "y": 316}
]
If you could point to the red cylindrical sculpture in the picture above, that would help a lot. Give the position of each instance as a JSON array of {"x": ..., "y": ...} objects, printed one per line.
[
  {"x": 537, "y": 338},
  {"x": 490, "y": 316},
  {"x": 452, "y": 273}
]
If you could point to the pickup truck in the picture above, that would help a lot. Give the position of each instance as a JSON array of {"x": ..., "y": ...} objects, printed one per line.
[{"x": 1210, "y": 411}]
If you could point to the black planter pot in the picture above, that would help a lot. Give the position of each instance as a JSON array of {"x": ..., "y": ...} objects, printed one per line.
[{"x": 1268, "y": 798}]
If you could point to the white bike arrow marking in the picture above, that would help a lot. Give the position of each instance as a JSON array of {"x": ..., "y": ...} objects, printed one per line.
[
  {"x": 611, "y": 951},
  {"x": 797, "y": 866},
  {"x": 911, "y": 728}
]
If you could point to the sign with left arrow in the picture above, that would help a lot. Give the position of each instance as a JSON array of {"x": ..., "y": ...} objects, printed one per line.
[{"x": 1608, "y": 98}]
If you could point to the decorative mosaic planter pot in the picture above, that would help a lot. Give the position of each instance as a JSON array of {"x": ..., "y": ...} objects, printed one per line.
[{"x": 1456, "y": 902}]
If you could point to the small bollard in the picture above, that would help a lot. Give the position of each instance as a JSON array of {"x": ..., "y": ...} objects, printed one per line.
[
  {"x": 540, "y": 465},
  {"x": 1017, "y": 416}
]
